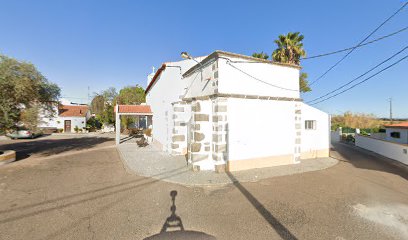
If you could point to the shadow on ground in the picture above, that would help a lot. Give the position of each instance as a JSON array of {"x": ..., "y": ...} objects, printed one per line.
[
  {"x": 360, "y": 158},
  {"x": 173, "y": 227},
  {"x": 47, "y": 147},
  {"x": 279, "y": 228}
]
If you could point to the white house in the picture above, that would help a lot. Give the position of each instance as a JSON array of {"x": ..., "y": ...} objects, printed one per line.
[
  {"x": 69, "y": 117},
  {"x": 234, "y": 112},
  {"x": 397, "y": 133}
]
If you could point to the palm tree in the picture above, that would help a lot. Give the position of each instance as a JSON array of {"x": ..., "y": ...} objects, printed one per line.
[
  {"x": 260, "y": 55},
  {"x": 290, "y": 48},
  {"x": 303, "y": 83}
]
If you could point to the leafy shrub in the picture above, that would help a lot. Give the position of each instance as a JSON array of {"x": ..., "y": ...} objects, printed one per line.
[
  {"x": 76, "y": 129},
  {"x": 350, "y": 138},
  {"x": 148, "y": 132}
]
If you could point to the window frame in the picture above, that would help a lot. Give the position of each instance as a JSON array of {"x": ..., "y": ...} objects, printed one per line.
[
  {"x": 313, "y": 125},
  {"x": 396, "y": 135}
]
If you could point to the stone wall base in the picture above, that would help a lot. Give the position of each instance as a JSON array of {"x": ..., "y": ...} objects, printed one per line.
[
  {"x": 245, "y": 164},
  {"x": 315, "y": 154}
]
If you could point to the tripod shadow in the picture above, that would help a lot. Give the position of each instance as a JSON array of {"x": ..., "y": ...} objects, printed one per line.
[{"x": 173, "y": 227}]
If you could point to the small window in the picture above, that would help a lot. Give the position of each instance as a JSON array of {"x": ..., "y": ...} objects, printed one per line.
[
  {"x": 395, "y": 134},
  {"x": 310, "y": 124}
]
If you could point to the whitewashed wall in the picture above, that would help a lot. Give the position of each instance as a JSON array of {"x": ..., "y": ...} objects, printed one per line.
[
  {"x": 202, "y": 83},
  {"x": 75, "y": 121},
  {"x": 260, "y": 128},
  {"x": 233, "y": 81},
  {"x": 45, "y": 121},
  {"x": 388, "y": 149},
  {"x": 315, "y": 141},
  {"x": 169, "y": 88},
  {"x": 403, "y": 135}
]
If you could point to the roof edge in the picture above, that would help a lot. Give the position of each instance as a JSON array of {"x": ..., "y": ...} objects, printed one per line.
[
  {"x": 154, "y": 79},
  {"x": 219, "y": 53}
]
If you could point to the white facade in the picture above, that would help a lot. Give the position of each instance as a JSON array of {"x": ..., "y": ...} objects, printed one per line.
[
  {"x": 45, "y": 121},
  {"x": 234, "y": 112},
  {"x": 400, "y": 137},
  {"x": 169, "y": 87},
  {"x": 79, "y": 122},
  {"x": 58, "y": 122},
  {"x": 315, "y": 141}
]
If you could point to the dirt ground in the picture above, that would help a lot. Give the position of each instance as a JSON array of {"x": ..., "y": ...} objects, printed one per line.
[{"x": 85, "y": 192}]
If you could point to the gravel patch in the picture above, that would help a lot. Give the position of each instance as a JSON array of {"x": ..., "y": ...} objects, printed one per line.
[{"x": 151, "y": 162}]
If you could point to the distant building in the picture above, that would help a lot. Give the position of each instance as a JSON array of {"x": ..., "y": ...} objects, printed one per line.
[
  {"x": 397, "y": 133},
  {"x": 69, "y": 117},
  {"x": 234, "y": 112}
]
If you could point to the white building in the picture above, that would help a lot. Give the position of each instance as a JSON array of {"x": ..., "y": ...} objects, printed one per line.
[
  {"x": 69, "y": 117},
  {"x": 397, "y": 133},
  {"x": 234, "y": 112}
]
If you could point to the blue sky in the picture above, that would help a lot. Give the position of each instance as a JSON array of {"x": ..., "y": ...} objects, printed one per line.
[{"x": 99, "y": 44}]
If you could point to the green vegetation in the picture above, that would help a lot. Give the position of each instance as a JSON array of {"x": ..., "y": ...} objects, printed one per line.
[
  {"x": 260, "y": 55},
  {"x": 23, "y": 90},
  {"x": 290, "y": 50},
  {"x": 367, "y": 123},
  {"x": 103, "y": 104},
  {"x": 303, "y": 83}
]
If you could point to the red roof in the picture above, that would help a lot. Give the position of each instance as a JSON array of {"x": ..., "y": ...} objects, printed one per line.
[
  {"x": 72, "y": 110},
  {"x": 397, "y": 125},
  {"x": 144, "y": 109}
]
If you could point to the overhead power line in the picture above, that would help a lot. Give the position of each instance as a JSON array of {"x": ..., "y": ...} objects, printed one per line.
[
  {"x": 362, "y": 75},
  {"x": 349, "y": 52},
  {"x": 365, "y": 80},
  {"x": 361, "y": 45},
  {"x": 259, "y": 80}
]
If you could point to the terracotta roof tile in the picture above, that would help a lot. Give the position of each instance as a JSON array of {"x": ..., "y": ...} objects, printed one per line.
[
  {"x": 397, "y": 125},
  {"x": 134, "y": 109},
  {"x": 72, "y": 111}
]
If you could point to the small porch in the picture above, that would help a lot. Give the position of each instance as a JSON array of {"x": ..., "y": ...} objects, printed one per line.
[{"x": 143, "y": 114}]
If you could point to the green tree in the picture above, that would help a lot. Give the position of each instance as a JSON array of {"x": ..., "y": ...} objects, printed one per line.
[
  {"x": 102, "y": 105},
  {"x": 30, "y": 118},
  {"x": 22, "y": 86},
  {"x": 98, "y": 105},
  {"x": 260, "y": 55},
  {"x": 131, "y": 95},
  {"x": 303, "y": 83},
  {"x": 290, "y": 48}
]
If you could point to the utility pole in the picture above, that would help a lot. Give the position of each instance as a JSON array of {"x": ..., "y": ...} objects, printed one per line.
[
  {"x": 89, "y": 96},
  {"x": 390, "y": 100}
]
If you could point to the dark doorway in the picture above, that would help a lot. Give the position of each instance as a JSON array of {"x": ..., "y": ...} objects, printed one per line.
[{"x": 67, "y": 126}]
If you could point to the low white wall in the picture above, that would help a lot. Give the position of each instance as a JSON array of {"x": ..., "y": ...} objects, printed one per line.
[
  {"x": 391, "y": 150},
  {"x": 379, "y": 135},
  {"x": 335, "y": 136}
]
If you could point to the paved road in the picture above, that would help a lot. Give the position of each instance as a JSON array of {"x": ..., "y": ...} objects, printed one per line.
[{"x": 91, "y": 196}]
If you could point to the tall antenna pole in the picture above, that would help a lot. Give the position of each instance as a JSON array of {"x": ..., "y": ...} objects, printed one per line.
[{"x": 390, "y": 100}]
